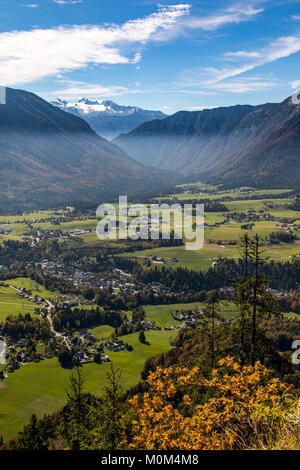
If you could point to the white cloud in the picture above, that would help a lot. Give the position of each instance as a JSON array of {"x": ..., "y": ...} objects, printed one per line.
[
  {"x": 27, "y": 56},
  {"x": 223, "y": 81},
  {"x": 188, "y": 91},
  {"x": 278, "y": 49},
  {"x": 243, "y": 54},
  {"x": 68, "y": 2},
  {"x": 30, "y": 5},
  {"x": 234, "y": 14},
  {"x": 79, "y": 89},
  {"x": 244, "y": 61},
  {"x": 295, "y": 85},
  {"x": 200, "y": 108},
  {"x": 244, "y": 85}
]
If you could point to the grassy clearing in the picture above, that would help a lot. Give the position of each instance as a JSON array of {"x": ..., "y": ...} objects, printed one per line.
[
  {"x": 12, "y": 304},
  {"x": 203, "y": 259},
  {"x": 40, "y": 388},
  {"x": 102, "y": 332},
  {"x": 161, "y": 314},
  {"x": 207, "y": 192},
  {"x": 30, "y": 216},
  {"x": 35, "y": 287},
  {"x": 197, "y": 260}
]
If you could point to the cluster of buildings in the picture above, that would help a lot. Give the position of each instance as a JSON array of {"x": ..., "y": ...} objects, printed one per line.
[
  {"x": 251, "y": 216},
  {"x": 118, "y": 280},
  {"x": 5, "y": 231},
  {"x": 289, "y": 228},
  {"x": 189, "y": 318},
  {"x": 78, "y": 232},
  {"x": 115, "y": 346}
]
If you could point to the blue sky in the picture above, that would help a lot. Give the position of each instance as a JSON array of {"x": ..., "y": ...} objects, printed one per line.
[{"x": 169, "y": 56}]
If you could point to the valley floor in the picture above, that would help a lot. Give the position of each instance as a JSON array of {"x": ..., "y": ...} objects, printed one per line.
[{"x": 39, "y": 387}]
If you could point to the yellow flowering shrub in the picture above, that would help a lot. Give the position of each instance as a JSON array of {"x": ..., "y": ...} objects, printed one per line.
[{"x": 246, "y": 409}]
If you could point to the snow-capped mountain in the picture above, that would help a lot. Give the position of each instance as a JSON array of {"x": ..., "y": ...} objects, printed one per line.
[{"x": 106, "y": 117}]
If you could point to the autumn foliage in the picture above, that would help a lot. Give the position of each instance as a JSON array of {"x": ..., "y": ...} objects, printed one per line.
[{"x": 242, "y": 407}]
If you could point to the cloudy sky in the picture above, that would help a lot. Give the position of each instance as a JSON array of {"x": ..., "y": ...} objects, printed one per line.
[{"x": 166, "y": 56}]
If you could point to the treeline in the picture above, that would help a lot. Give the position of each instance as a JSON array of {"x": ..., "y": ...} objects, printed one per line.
[
  {"x": 290, "y": 304},
  {"x": 53, "y": 284},
  {"x": 282, "y": 276},
  {"x": 295, "y": 205},
  {"x": 15, "y": 254},
  {"x": 282, "y": 236},
  {"x": 76, "y": 318},
  {"x": 23, "y": 326},
  {"x": 128, "y": 327},
  {"x": 283, "y": 331}
]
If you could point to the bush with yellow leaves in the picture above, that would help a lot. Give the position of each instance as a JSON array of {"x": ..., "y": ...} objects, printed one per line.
[{"x": 246, "y": 409}]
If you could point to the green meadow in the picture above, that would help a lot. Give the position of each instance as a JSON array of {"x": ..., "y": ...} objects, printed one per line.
[
  {"x": 198, "y": 259},
  {"x": 30, "y": 284},
  {"x": 101, "y": 332},
  {"x": 12, "y": 304},
  {"x": 203, "y": 191},
  {"x": 162, "y": 314},
  {"x": 40, "y": 387},
  {"x": 218, "y": 238}
]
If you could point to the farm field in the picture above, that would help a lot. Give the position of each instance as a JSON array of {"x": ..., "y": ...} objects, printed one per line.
[
  {"x": 202, "y": 259},
  {"x": 36, "y": 215},
  {"x": 198, "y": 260},
  {"x": 102, "y": 332},
  {"x": 221, "y": 239},
  {"x": 12, "y": 304},
  {"x": 161, "y": 314},
  {"x": 30, "y": 284},
  {"x": 203, "y": 191},
  {"x": 20, "y": 228},
  {"x": 40, "y": 387}
]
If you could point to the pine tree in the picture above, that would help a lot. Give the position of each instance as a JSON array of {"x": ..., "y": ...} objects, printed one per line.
[
  {"x": 212, "y": 302},
  {"x": 108, "y": 419},
  {"x": 75, "y": 424},
  {"x": 142, "y": 337},
  {"x": 252, "y": 296}
]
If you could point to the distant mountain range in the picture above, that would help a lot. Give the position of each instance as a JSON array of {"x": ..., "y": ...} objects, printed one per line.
[
  {"x": 51, "y": 157},
  {"x": 107, "y": 118},
  {"x": 236, "y": 145}
]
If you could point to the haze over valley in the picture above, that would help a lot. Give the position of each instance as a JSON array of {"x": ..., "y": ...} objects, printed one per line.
[{"x": 149, "y": 230}]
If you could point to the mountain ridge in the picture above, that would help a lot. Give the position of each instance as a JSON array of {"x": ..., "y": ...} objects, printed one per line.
[
  {"x": 49, "y": 156},
  {"x": 106, "y": 117},
  {"x": 268, "y": 164},
  {"x": 198, "y": 143}
]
